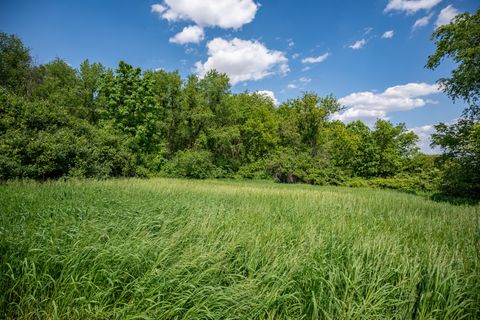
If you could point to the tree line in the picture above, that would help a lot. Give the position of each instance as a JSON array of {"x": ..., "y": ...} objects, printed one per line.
[{"x": 95, "y": 122}]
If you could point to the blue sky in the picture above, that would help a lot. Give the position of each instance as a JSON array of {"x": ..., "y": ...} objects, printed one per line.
[{"x": 369, "y": 54}]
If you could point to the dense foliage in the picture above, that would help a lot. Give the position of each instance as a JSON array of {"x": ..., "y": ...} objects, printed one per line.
[
  {"x": 57, "y": 122},
  {"x": 460, "y": 141}
]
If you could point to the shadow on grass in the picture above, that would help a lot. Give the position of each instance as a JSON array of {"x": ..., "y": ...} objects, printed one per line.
[{"x": 455, "y": 200}]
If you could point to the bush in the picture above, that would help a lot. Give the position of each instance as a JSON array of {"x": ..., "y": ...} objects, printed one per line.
[
  {"x": 69, "y": 151},
  {"x": 287, "y": 167},
  {"x": 356, "y": 182},
  {"x": 195, "y": 164},
  {"x": 461, "y": 178},
  {"x": 254, "y": 170},
  {"x": 39, "y": 140},
  {"x": 326, "y": 175},
  {"x": 409, "y": 183}
]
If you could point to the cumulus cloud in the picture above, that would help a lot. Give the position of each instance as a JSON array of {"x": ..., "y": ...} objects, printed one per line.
[
  {"x": 242, "y": 60},
  {"x": 318, "y": 59},
  {"x": 388, "y": 34},
  {"x": 269, "y": 94},
  {"x": 410, "y": 6},
  {"x": 446, "y": 16},
  {"x": 411, "y": 90},
  {"x": 208, "y": 13},
  {"x": 158, "y": 8},
  {"x": 367, "y": 116},
  {"x": 191, "y": 34},
  {"x": 359, "y": 44},
  {"x": 292, "y": 86},
  {"x": 369, "y": 106},
  {"x": 422, "y": 22},
  {"x": 305, "y": 80}
]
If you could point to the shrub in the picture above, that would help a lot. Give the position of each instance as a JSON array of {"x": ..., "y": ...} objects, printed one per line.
[
  {"x": 39, "y": 140},
  {"x": 254, "y": 170},
  {"x": 410, "y": 183},
  {"x": 196, "y": 164},
  {"x": 461, "y": 178},
  {"x": 287, "y": 167},
  {"x": 357, "y": 182}
]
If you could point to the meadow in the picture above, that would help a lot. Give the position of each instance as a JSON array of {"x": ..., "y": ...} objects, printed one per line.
[{"x": 184, "y": 249}]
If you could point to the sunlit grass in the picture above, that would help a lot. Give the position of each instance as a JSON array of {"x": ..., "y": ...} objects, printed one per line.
[{"x": 179, "y": 249}]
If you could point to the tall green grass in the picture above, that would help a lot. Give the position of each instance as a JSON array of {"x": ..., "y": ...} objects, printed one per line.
[{"x": 178, "y": 249}]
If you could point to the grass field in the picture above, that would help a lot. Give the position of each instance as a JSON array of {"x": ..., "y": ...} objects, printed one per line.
[{"x": 178, "y": 249}]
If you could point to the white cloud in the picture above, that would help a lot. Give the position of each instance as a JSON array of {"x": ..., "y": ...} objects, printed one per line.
[
  {"x": 388, "y": 34},
  {"x": 359, "y": 44},
  {"x": 446, "y": 15},
  {"x": 411, "y": 90},
  {"x": 424, "y": 135},
  {"x": 191, "y": 34},
  {"x": 242, "y": 60},
  {"x": 295, "y": 56},
  {"x": 292, "y": 86},
  {"x": 368, "y": 106},
  {"x": 367, "y": 116},
  {"x": 367, "y": 30},
  {"x": 422, "y": 22},
  {"x": 410, "y": 6},
  {"x": 305, "y": 80},
  {"x": 269, "y": 94},
  {"x": 318, "y": 59},
  {"x": 304, "y": 69},
  {"x": 158, "y": 8},
  {"x": 191, "y": 51},
  {"x": 291, "y": 43},
  {"x": 212, "y": 13}
]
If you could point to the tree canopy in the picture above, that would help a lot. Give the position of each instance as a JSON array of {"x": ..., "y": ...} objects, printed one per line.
[
  {"x": 57, "y": 121},
  {"x": 460, "y": 40},
  {"x": 460, "y": 141}
]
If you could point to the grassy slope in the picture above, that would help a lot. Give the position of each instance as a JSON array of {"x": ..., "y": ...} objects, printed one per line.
[{"x": 166, "y": 249}]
